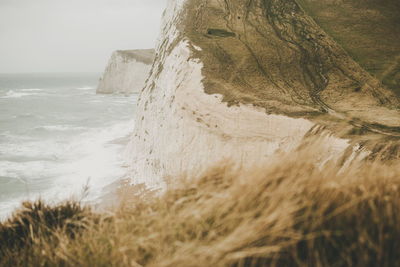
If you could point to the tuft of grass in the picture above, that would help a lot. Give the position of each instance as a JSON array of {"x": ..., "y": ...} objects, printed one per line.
[
  {"x": 285, "y": 212},
  {"x": 36, "y": 225}
]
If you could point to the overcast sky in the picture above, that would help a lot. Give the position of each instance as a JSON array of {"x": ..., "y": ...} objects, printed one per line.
[{"x": 73, "y": 35}]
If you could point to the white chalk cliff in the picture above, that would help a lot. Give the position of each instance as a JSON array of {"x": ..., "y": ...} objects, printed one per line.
[
  {"x": 234, "y": 80},
  {"x": 126, "y": 72}
]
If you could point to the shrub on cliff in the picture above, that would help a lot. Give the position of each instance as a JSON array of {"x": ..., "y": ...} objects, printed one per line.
[{"x": 284, "y": 213}]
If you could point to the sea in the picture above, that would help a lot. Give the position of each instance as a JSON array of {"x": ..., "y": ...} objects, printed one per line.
[{"x": 59, "y": 140}]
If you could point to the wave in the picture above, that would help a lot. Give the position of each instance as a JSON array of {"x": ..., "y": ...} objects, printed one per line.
[
  {"x": 25, "y": 115},
  {"x": 84, "y": 88},
  {"x": 55, "y": 162},
  {"x": 60, "y": 128},
  {"x": 14, "y": 94},
  {"x": 23, "y": 171},
  {"x": 94, "y": 155},
  {"x": 31, "y": 149},
  {"x": 31, "y": 90}
]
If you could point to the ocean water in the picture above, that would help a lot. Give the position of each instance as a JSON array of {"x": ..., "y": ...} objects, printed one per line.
[{"x": 58, "y": 137}]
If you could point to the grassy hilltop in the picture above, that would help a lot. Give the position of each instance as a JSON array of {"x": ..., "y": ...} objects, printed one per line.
[{"x": 369, "y": 30}]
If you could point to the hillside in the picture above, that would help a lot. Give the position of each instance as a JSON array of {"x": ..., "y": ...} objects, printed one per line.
[
  {"x": 243, "y": 80},
  {"x": 276, "y": 57},
  {"x": 368, "y": 30}
]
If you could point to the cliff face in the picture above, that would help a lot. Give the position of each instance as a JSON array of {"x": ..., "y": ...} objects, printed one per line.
[
  {"x": 126, "y": 72},
  {"x": 241, "y": 80}
]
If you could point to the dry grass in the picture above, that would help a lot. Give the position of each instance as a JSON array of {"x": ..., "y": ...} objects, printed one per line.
[
  {"x": 283, "y": 213},
  {"x": 369, "y": 30}
]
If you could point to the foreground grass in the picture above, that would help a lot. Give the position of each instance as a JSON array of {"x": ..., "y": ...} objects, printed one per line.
[{"x": 283, "y": 213}]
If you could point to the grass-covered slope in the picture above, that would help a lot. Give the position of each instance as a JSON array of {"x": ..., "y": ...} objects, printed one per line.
[
  {"x": 273, "y": 54},
  {"x": 264, "y": 51},
  {"x": 369, "y": 30},
  {"x": 281, "y": 213}
]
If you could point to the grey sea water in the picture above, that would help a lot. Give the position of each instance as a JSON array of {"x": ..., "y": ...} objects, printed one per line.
[{"x": 57, "y": 135}]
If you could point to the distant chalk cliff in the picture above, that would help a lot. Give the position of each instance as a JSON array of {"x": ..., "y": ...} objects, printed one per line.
[{"x": 126, "y": 72}]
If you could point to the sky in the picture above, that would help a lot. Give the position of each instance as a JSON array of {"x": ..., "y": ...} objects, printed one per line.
[{"x": 73, "y": 35}]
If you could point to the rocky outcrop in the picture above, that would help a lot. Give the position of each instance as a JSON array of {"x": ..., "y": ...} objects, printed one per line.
[
  {"x": 126, "y": 72},
  {"x": 242, "y": 80}
]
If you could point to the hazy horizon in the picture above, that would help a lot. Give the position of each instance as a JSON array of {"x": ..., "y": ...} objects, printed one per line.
[{"x": 48, "y": 36}]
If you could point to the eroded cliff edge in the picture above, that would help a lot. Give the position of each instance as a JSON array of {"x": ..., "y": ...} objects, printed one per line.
[
  {"x": 242, "y": 80},
  {"x": 126, "y": 72}
]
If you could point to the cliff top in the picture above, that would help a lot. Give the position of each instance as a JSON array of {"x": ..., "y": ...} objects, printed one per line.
[
  {"x": 368, "y": 30},
  {"x": 288, "y": 58},
  {"x": 145, "y": 56}
]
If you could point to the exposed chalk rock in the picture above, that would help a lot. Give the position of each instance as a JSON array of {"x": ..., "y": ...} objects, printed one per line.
[
  {"x": 126, "y": 72},
  {"x": 242, "y": 80}
]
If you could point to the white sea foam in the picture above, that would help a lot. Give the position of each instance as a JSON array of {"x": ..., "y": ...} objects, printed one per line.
[
  {"x": 51, "y": 146},
  {"x": 60, "y": 128},
  {"x": 32, "y": 90},
  {"x": 91, "y": 158},
  {"x": 16, "y": 94},
  {"x": 85, "y": 88},
  {"x": 22, "y": 147},
  {"x": 21, "y": 170}
]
